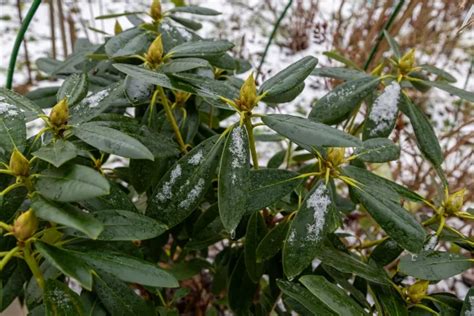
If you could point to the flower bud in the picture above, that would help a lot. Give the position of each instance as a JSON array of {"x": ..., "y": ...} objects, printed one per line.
[
  {"x": 407, "y": 62},
  {"x": 154, "y": 56},
  {"x": 117, "y": 27},
  {"x": 336, "y": 156},
  {"x": 417, "y": 291},
  {"x": 248, "y": 94},
  {"x": 25, "y": 225},
  {"x": 59, "y": 114},
  {"x": 454, "y": 202},
  {"x": 19, "y": 165},
  {"x": 155, "y": 10}
]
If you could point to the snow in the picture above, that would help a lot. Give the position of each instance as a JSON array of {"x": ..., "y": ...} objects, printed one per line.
[
  {"x": 93, "y": 100},
  {"x": 385, "y": 108},
  {"x": 318, "y": 202},
  {"x": 237, "y": 147},
  {"x": 196, "y": 159},
  {"x": 193, "y": 194},
  {"x": 166, "y": 192},
  {"x": 8, "y": 110}
]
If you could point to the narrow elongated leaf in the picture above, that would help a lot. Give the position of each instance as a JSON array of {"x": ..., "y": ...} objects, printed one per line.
[
  {"x": 201, "y": 49},
  {"x": 390, "y": 300},
  {"x": 378, "y": 150},
  {"x": 397, "y": 222},
  {"x": 10, "y": 99},
  {"x": 342, "y": 59},
  {"x": 120, "y": 40},
  {"x": 241, "y": 289},
  {"x": 272, "y": 242},
  {"x": 434, "y": 265},
  {"x": 209, "y": 88},
  {"x": 234, "y": 178},
  {"x": 341, "y": 73},
  {"x": 116, "y": 15},
  {"x": 112, "y": 141},
  {"x": 439, "y": 72},
  {"x": 13, "y": 284},
  {"x": 331, "y": 295},
  {"x": 286, "y": 96},
  {"x": 269, "y": 185},
  {"x": 180, "y": 190},
  {"x": 305, "y": 297},
  {"x": 256, "y": 229},
  {"x": 67, "y": 263},
  {"x": 74, "y": 89},
  {"x": 12, "y": 130},
  {"x": 118, "y": 298},
  {"x": 312, "y": 222},
  {"x": 195, "y": 10},
  {"x": 393, "y": 44},
  {"x": 128, "y": 269},
  {"x": 424, "y": 132},
  {"x": 308, "y": 133},
  {"x": 289, "y": 78},
  {"x": 57, "y": 152},
  {"x": 338, "y": 103},
  {"x": 385, "y": 252},
  {"x": 183, "y": 64},
  {"x": 190, "y": 24},
  {"x": 126, "y": 225},
  {"x": 67, "y": 215},
  {"x": 463, "y": 94},
  {"x": 136, "y": 46},
  {"x": 468, "y": 306},
  {"x": 59, "y": 299},
  {"x": 71, "y": 183}
]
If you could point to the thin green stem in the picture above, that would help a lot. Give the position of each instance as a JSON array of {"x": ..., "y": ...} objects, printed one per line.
[
  {"x": 33, "y": 265},
  {"x": 152, "y": 107},
  {"x": 272, "y": 35},
  {"x": 171, "y": 119},
  {"x": 19, "y": 40},
  {"x": 5, "y": 226},
  {"x": 253, "y": 150},
  {"x": 7, "y": 257},
  {"x": 380, "y": 37}
]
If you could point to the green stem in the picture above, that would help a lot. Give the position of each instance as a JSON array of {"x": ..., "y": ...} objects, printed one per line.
[
  {"x": 270, "y": 39},
  {"x": 5, "y": 227},
  {"x": 253, "y": 150},
  {"x": 171, "y": 119},
  {"x": 7, "y": 257},
  {"x": 380, "y": 37},
  {"x": 33, "y": 265},
  {"x": 19, "y": 40}
]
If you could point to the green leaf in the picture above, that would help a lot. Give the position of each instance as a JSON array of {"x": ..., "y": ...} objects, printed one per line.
[
  {"x": 434, "y": 265},
  {"x": 308, "y": 133},
  {"x": 272, "y": 242},
  {"x": 12, "y": 285},
  {"x": 390, "y": 300},
  {"x": 234, "y": 178},
  {"x": 289, "y": 78},
  {"x": 67, "y": 263},
  {"x": 112, "y": 141},
  {"x": 118, "y": 298},
  {"x": 241, "y": 289},
  {"x": 126, "y": 225},
  {"x": 378, "y": 150},
  {"x": 256, "y": 229},
  {"x": 339, "y": 102},
  {"x": 304, "y": 297},
  {"x": 209, "y": 88},
  {"x": 397, "y": 222},
  {"x": 60, "y": 300},
  {"x": 10, "y": 99},
  {"x": 393, "y": 45},
  {"x": 286, "y": 96},
  {"x": 117, "y": 199},
  {"x": 336, "y": 56},
  {"x": 200, "y": 49},
  {"x": 190, "y": 24},
  {"x": 468, "y": 306},
  {"x": 74, "y": 89},
  {"x": 331, "y": 295},
  {"x": 268, "y": 186},
  {"x": 180, "y": 190},
  {"x": 307, "y": 230},
  {"x": 138, "y": 45},
  {"x": 57, "y": 152},
  {"x": 128, "y": 269},
  {"x": 385, "y": 252},
  {"x": 12, "y": 130},
  {"x": 71, "y": 183},
  {"x": 463, "y": 94},
  {"x": 119, "y": 41},
  {"x": 193, "y": 9},
  {"x": 116, "y": 15},
  {"x": 341, "y": 73},
  {"x": 184, "y": 64},
  {"x": 425, "y": 136},
  {"x": 67, "y": 215},
  {"x": 443, "y": 74}
]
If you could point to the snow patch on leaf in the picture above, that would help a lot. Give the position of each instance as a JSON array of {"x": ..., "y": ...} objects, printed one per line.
[
  {"x": 196, "y": 159},
  {"x": 166, "y": 192},
  {"x": 238, "y": 150},
  {"x": 193, "y": 194},
  {"x": 93, "y": 100},
  {"x": 318, "y": 202},
  {"x": 385, "y": 108},
  {"x": 8, "y": 110}
]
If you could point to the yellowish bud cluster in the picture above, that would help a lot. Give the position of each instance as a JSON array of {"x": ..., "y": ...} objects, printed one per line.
[
  {"x": 117, "y": 28},
  {"x": 25, "y": 225},
  {"x": 155, "y": 10},
  {"x": 59, "y": 115},
  {"x": 417, "y": 291},
  {"x": 154, "y": 55},
  {"x": 19, "y": 165},
  {"x": 336, "y": 156},
  {"x": 248, "y": 95},
  {"x": 407, "y": 62},
  {"x": 454, "y": 202}
]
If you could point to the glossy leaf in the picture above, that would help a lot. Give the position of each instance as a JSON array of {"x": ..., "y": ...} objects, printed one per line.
[
  {"x": 112, "y": 141},
  {"x": 339, "y": 102},
  {"x": 67, "y": 263},
  {"x": 434, "y": 265},
  {"x": 74, "y": 89},
  {"x": 468, "y": 306},
  {"x": 306, "y": 132},
  {"x": 195, "y": 10},
  {"x": 272, "y": 242},
  {"x": 390, "y": 300},
  {"x": 10, "y": 99},
  {"x": 341, "y": 73},
  {"x": 463, "y": 94},
  {"x": 12, "y": 130},
  {"x": 180, "y": 190},
  {"x": 234, "y": 178},
  {"x": 331, "y": 295},
  {"x": 57, "y": 152},
  {"x": 67, "y": 215},
  {"x": 378, "y": 150},
  {"x": 307, "y": 230},
  {"x": 256, "y": 229},
  {"x": 200, "y": 49},
  {"x": 183, "y": 64},
  {"x": 441, "y": 73},
  {"x": 393, "y": 45},
  {"x": 59, "y": 299},
  {"x": 289, "y": 78},
  {"x": 71, "y": 183}
]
